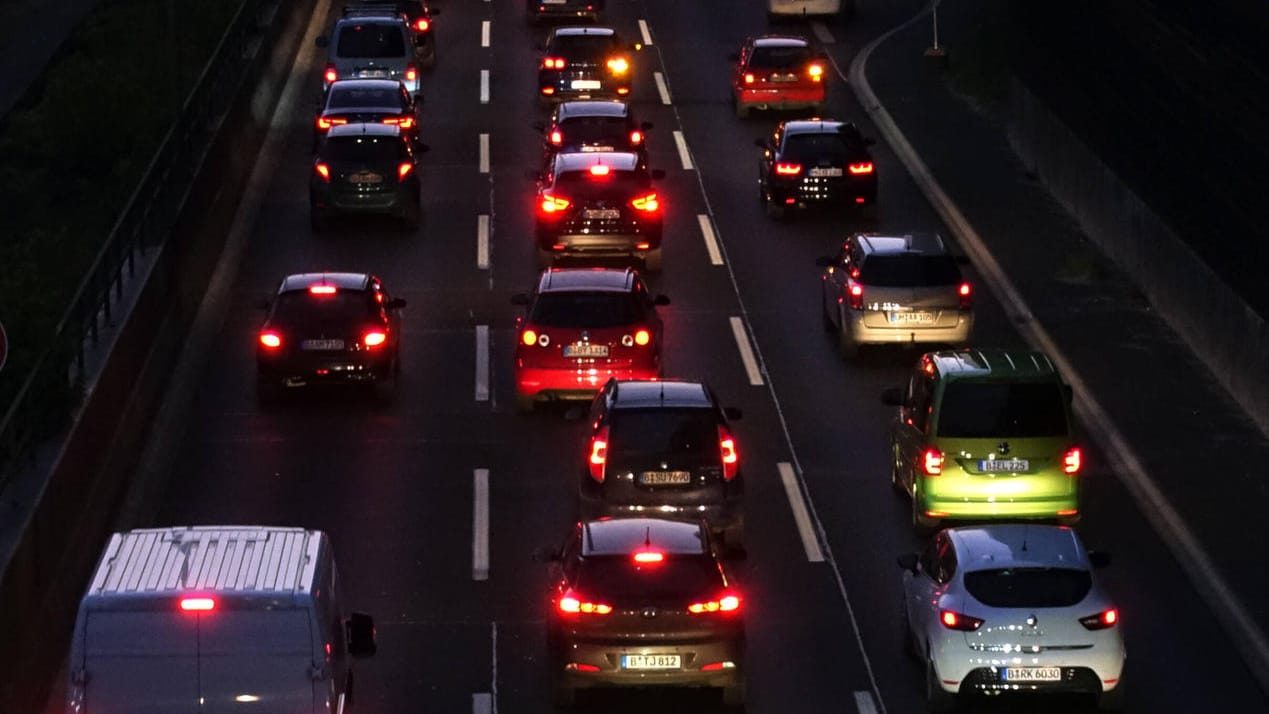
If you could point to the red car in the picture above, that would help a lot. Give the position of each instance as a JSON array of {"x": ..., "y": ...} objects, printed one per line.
[
  {"x": 583, "y": 326},
  {"x": 777, "y": 72}
]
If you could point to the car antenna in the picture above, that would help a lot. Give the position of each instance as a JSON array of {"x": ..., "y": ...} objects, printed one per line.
[
  {"x": 1025, "y": 530},
  {"x": 647, "y": 537}
]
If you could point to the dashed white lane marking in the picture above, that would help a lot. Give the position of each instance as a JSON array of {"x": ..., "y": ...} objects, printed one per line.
[
  {"x": 482, "y": 702},
  {"x": 662, "y": 88},
  {"x": 484, "y": 153},
  {"x": 746, "y": 351},
  {"x": 484, "y": 86},
  {"x": 863, "y": 702},
  {"x": 711, "y": 240},
  {"x": 480, "y": 525},
  {"x": 821, "y": 33},
  {"x": 684, "y": 155},
  {"x": 801, "y": 516},
  {"x": 484, "y": 32},
  {"x": 482, "y": 242},
  {"x": 482, "y": 363},
  {"x": 643, "y": 30}
]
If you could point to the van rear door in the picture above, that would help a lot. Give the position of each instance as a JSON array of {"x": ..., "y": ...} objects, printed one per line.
[
  {"x": 258, "y": 661},
  {"x": 141, "y": 662}
]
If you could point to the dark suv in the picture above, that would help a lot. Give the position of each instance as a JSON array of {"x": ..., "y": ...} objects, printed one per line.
[
  {"x": 584, "y": 63},
  {"x": 418, "y": 15},
  {"x": 666, "y": 447},
  {"x": 365, "y": 168},
  {"x": 816, "y": 162},
  {"x": 539, "y": 10},
  {"x": 588, "y": 126}
]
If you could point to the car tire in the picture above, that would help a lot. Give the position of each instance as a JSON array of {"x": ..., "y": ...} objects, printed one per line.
[
  {"x": 846, "y": 345},
  {"x": 923, "y": 525},
  {"x": 908, "y": 643},
  {"x": 895, "y": 481},
  {"x": 734, "y": 536},
  {"x": 1113, "y": 700},
  {"x": 774, "y": 210},
  {"x": 268, "y": 393},
  {"x": 817, "y": 110},
  {"x": 652, "y": 261},
  {"x": 937, "y": 701},
  {"x": 742, "y": 110},
  {"x": 564, "y": 696},
  {"x": 825, "y": 320},
  {"x": 524, "y": 403},
  {"x": 411, "y": 218},
  {"x": 545, "y": 259},
  {"x": 734, "y": 697}
]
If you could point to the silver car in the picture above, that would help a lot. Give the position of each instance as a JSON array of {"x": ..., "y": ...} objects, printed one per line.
[
  {"x": 371, "y": 45},
  {"x": 895, "y": 289}
]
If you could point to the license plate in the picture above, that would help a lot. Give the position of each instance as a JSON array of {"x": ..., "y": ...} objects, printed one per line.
[
  {"x": 322, "y": 345},
  {"x": 784, "y": 78},
  {"x": 584, "y": 349},
  {"x": 365, "y": 177},
  {"x": 373, "y": 73},
  {"x": 665, "y": 478},
  {"x": 585, "y": 84},
  {"x": 824, "y": 172},
  {"x": 554, "y": 2},
  {"x": 602, "y": 213},
  {"x": 1004, "y": 465},
  {"x": 672, "y": 661},
  {"x": 911, "y": 318},
  {"x": 597, "y": 148},
  {"x": 1032, "y": 674}
]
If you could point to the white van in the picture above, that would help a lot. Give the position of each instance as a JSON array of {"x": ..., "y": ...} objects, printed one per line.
[
  {"x": 799, "y": 8},
  {"x": 215, "y": 619}
]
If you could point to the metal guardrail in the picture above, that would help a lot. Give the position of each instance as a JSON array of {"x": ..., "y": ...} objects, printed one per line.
[{"x": 54, "y": 387}]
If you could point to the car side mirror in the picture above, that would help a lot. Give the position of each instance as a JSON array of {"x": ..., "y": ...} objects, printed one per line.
[
  {"x": 1098, "y": 559},
  {"x": 395, "y": 304},
  {"x": 825, "y": 260},
  {"x": 520, "y": 299},
  {"x": 893, "y": 397},
  {"x": 360, "y": 629},
  {"x": 733, "y": 57},
  {"x": 908, "y": 561},
  {"x": 661, "y": 300},
  {"x": 646, "y": 125},
  {"x": 322, "y": 41},
  {"x": 733, "y": 413},
  {"x": 539, "y": 126},
  {"x": 658, "y": 174}
]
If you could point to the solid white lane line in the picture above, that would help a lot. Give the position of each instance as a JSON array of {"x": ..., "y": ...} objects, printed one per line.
[
  {"x": 482, "y": 702},
  {"x": 493, "y": 667},
  {"x": 821, "y": 33},
  {"x": 711, "y": 241},
  {"x": 484, "y": 33},
  {"x": 484, "y": 86},
  {"x": 484, "y": 153},
  {"x": 482, "y": 242},
  {"x": 746, "y": 352},
  {"x": 684, "y": 155},
  {"x": 480, "y": 525},
  {"x": 662, "y": 88},
  {"x": 863, "y": 702},
  {"x": 806, "y": 530},
  {"x": 643, "y": 30},
  {"x": 482, "y": 363}
]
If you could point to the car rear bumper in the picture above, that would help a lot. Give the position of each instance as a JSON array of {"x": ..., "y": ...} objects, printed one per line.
[
  {"x": 393, "y": 202},
  {"x": 905, "y": 334},
  {"x": 331, "y": 371},
  {"x": 948, "y": 505},
  {"x": 802, "y": 194},
  {"x": 600, "y": 245},
  {"x": 782, "y": 98},
  {"x": 729, "y": 514},
  {"x": 724, "y": 657},
  {"x": 559, "y": 89},
  {"x": 576, "y": 382}
]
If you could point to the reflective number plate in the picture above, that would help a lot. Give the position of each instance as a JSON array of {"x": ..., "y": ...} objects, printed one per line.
[
  {"x": 554, "y": 2},
  {"x": 365, "y": 177},
  {"x": 1033, "y": 674},
  {"x": 585, "y": 84},
  {"x": 825, "y": 172},
  {"x": 373, "y": 73},
  {"x": 1004, "y": 465},
  {"x": 784, "y": 78},
  {"x": 665, "y": 478},
  {"x": 599, "y": 214},
  {"x": 322, "y": 345},
  {"x": 597, "y": 148},
  {"x": 651, "y": 661},
  {"x": 585, "y": 349},
  {"x": 911, "y": 318}
]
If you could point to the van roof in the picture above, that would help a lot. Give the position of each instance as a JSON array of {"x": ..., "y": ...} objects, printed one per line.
[{"x": 240, "y": 560}]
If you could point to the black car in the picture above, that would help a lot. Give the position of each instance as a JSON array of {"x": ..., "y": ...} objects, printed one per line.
[
  {"x": 599, "y": 205},
  {"x": 638, "y": 602},
  {"x": 418, "y": 15},
  {"x": 816, "y": 162},
  {"x": 366, "y": 101},
  {"x": 663, "y": 446},
  {"x": 328, "y": 328},
  {"x": 539, "y": 10},
  {"x": 594, "y": 125},
  {"x": 365, "y": 168},
  {"x": 584, "y": 63}
]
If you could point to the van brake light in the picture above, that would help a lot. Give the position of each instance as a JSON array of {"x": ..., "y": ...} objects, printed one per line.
[{"x": 198, "y": 604}]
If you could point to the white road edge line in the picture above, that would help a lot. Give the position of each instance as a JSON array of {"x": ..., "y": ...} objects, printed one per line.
[
  {"x": 484, "y": 153},
  {"x": 482, "y": 363},
  {"x": 493, "y": 667},
  {"x": 821, "y": 33},
  {"x": 643, "y": 30},
  {"x": 482, "y": 242},
  {"x": 480, "y": 525},
  {"x": 1238, "y": 624},
  {"x": 863, "y": 702},
  {"x": 662, "y": 88},
  {"x": 482, "y": 702},
  {"x": 711, "y": 240},
  {"x": 684, "y": 155},
  {"x": 484, "y": 32},
  {"x": 746, "y": 351},
  {"x": 484, "y": 86},
  {"x": 806, "y": 530}
]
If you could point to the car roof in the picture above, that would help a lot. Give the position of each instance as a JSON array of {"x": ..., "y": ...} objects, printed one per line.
[
  {"x": 623, "y": 536},
  {"x": 341, "y": 281},
  {"x": 618, "y": 160},
  {"x": 365, "y": 129},
  {"x": 557, "y": 280},
  {"x": 991, "y": 362},
  {"x": 366, "y": 83},
  {"x": 814, "y": 126},
  {"x": 635, "y": 394},
  {"x": 591, "y": 108},
  {"x": 371, "y": 16},
  {"x": 577, "y": 31},
  {"x": 1017, "y": 545},
  {"x": 780, "y": 41},
  {"x": 925, "y": 243}
]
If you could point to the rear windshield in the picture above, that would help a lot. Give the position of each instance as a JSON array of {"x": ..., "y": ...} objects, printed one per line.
[
  {"x": 616, "y": 186},
  {"x": 1028, "y": 587},
  {"x": 591, "y": 130},
  {"x": 910, "y": 270},
  {"x": 371, "y": 41},
  {"x": 809, "y": 148},
  {"x": 1002, "y": 410},
  {"x": 593, "y": 310},
  {"x": 638, "y": 432},
  {"x": 617, "y": 577},
  {"x": 299, "y": 308},
  {"x": 356, "y": 97},
  {"x": 780, "y": 57},
  {"x": 361, "y": 148},
  {"x": 593, "y": 48}
]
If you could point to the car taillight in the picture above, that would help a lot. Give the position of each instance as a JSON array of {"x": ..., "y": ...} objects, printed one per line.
[
  {"x": 855, "y": 293},
  {"x": 636, "y": 137},
  {"x": 598, "y": 454},
  {"x": 1072, "y": 460},
  {"x": 322, "y": 170},
  {"x": 966, "y": 294},
  {"x": 647, "y": 557},
  {"x": 860, "y": 169},
  {"x": 403, "y": 169},
  {"x": 198, "y": 604},
  {"x": 600, "y": 170},
  {"x": 374, "y": 338},
  {"x": 642, "y": 338},
  {"x": 953, "y": 620},
  {"x": 816, "y": 72},
  {"x": 325, "y": 123},
  {"x": 553, "y": 204},
  {"x": 648, "y": 203},
  {"x": 727, "y": 449},
  {"x": 573, "y": 603},
  {"x": 749, "y": 78},
  {"x": 422, "y": 24},
  {"x": 1101, "y": 621},
  {"x": 270, "y": 340},
  {"x": 330, "y": 75},
  {"x": 411, "y": 72},
  {"x": 618, "y": 65},
  {"x": 786, "y": 169},
  {"x": 322, "y": 289},
  {"x": 553, "y": 63},
  {"x": 530, "y": 338},
  {"x": 556, "y": 137},
  {"x": 932, "y": 462},
  {"x": 403, "y": 122},
  {"x": 727, "y": 602}
]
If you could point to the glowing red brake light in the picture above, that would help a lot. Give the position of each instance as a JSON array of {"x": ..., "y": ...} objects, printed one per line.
[
  {"x": 573, "y": 604},
  {"x": 553, "y": 204},
  {"x": 270, "y": 340},
  {"x": 598, "y": 454},
  {"x": 557, "y": 138},
  {"x": 198, "y": 604},
  {"x": 636, "y": 137},
  {"x": 956, "y": 621},
  {"x": 966, "y": 293},
  {"x": 649, "y": 556},
  {"x": 322, "y": 170},
  {"x": 374, "y": 338},
  {"x": 321, "y": 290},
  {"x": 325, "y": 123},
  {"x": 816, "y": 72},
  {"x": 787, "y": 169},
  {"x": 600, "y": 170},
  {"x": 403, "y": 122},
  {"x": 932, "y": 462},
  {"x": 411, "y": 72},
  {"x": 860, "y": 169},
  {"x": 422, "y": 24},
  {"x": 1072, "y": 460},
  {"x": 529, "y": 338},
  {"x": 1101, "y": 621},
  {"x": 856, "y": 294},
  {"x": 749, "y": 78},
  {"x": 404, "y": 169},
  {"x": 648, "y": 203},
  {"x": 330, "y": 75},
  {"x": 727, "y": 602},
  {"x": 553, "y": 63},
  {"x": 727, "y": 449},
  {"x": 642, "y": 338}
]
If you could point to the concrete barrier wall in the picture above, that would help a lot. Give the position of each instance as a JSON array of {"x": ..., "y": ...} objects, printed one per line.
[
  {"x": 1226, "y": 334},
  {"x": 68, "y": 510}
]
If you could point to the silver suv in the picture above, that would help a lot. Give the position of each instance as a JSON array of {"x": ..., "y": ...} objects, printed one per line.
[{"x": 371, "y": 45}]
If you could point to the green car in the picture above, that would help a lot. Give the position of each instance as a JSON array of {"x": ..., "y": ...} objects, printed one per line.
[{"x": 985, "y": 434}]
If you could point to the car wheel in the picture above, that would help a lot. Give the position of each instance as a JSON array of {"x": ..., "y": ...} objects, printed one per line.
[
  {"x": 774, "y": 210},
  {"x": 545, "y": 258},
  {"x": 846, "y": 344},
  {"x": 936, "y": 699},
  {"x": 1113, "y": 700},
  {"x": 895, "y": 480},
  {"x": 734, "y": 536},
  {"x": 922, "y": 524},
  {"x": 411, "y": 218},
  {"x": 817, "y": 110},
  {"x": 268, "y": 393},
  {"x": 824, "y": 317},
  {"x": 565, "y": 696},
  {"x": 908, "y": 643},
  {"x": 734, "y": 696},
  {"x": 742, "y": 110},
  {"x": 652, "y": 261},
  {"x": 524, "y": 403}
]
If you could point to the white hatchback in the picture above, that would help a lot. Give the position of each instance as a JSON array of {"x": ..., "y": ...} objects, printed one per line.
[{"x": 1011, "y": 608}]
